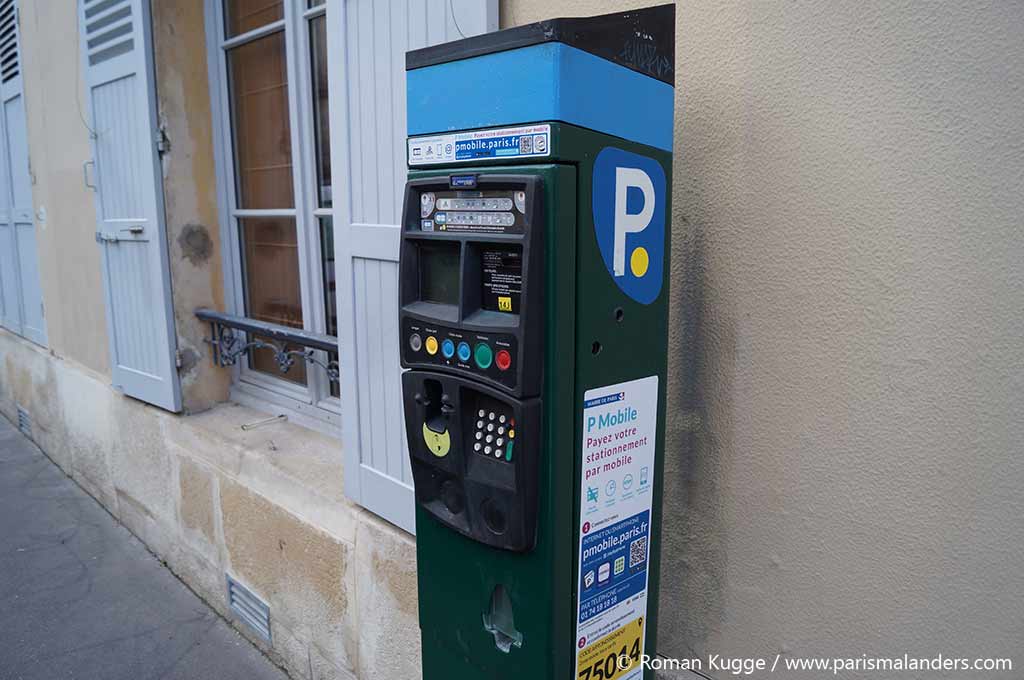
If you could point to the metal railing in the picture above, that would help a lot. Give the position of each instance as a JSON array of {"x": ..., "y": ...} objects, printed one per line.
[{"x": 235, "y": 336}]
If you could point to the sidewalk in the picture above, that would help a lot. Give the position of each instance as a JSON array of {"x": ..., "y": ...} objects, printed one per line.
[{"x": 80, "y": 597}]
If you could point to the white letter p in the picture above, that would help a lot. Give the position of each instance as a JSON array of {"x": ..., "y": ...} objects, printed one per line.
[{"x": 626, "y": 223}]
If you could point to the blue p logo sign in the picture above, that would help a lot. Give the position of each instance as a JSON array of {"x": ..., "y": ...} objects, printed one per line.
[{"x": 629, "y": 220}]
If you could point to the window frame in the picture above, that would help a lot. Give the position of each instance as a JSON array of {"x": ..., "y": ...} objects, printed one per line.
[{"x": 249, "y": 386}]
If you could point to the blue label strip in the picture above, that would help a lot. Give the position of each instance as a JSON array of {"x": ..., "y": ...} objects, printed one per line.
[{"x": 547, "y": 82}]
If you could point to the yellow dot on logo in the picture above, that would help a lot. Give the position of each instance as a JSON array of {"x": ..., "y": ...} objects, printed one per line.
[{"x": 639, "y": 261}]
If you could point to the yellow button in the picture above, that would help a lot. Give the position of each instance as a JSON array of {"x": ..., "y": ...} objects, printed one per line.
[
  {"x": 511, "y": 434},
  {"x": 431, "y": 345}
]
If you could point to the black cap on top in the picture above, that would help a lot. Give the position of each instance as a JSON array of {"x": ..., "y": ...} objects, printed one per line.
[{"x": 642, "y": 40}]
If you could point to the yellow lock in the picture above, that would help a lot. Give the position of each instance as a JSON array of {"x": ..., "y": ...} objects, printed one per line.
[{"x": 438, "y": 442}]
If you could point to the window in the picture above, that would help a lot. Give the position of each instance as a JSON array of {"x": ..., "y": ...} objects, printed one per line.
[{"x": 271, "y": 58}]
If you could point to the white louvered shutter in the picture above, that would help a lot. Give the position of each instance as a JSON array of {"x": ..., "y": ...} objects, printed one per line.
[
  {"x": 118, "y": 65},
  {"x": 22, "y": 296},
  {"x": 368, "y": 40}
]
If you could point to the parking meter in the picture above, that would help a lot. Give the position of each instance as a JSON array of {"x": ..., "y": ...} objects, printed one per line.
[{"x": 533, "y": 285}]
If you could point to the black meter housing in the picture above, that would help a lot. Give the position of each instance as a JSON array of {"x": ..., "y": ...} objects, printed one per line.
[{"x": 471, "y": 286}]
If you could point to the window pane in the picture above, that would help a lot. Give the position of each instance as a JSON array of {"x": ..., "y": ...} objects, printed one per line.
[
  {"x": 314, "y": 3},
  {"x": 242, "y": 16},
  {"x": 327, "y": 260},
  {"x": 321, "y": 125},
  {"x": 271, "y": 283},
  {"x": 330, "y": 287},
  {"x": 259, "y": 102}
]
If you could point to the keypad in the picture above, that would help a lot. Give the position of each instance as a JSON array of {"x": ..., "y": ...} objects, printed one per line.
[{"x": 493, "y": 436}]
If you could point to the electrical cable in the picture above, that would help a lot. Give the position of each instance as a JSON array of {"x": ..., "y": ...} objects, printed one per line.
[
  {"x": 455, "y": 19},
  {"x": 78, "y": 99}
]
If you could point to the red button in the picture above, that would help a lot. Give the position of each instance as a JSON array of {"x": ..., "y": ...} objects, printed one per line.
[{"x": 503, "y": 359}]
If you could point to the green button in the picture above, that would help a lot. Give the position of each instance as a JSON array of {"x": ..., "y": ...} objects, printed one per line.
[
  {"x": 483, "y": 355},
  {"x": 508, "y": 451}
]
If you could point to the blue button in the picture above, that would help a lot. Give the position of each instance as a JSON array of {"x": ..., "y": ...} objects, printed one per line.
[
  {"x": 448, "y": 349},
  {"x": 464, "y": 351}
]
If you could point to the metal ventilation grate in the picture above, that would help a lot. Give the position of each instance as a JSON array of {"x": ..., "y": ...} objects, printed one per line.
[
  {"x": 24, "y": 422},
  {"x": 253, "y": 611},
  {"x": 108, "y": 29},
  {"x": 10, "y": 59}
]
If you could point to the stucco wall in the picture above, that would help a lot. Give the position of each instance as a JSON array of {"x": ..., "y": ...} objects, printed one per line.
[
  {"x": 69, "y": 259},
  {"x": 190, "y": 194},
  {"x": 844, "y": 472}
]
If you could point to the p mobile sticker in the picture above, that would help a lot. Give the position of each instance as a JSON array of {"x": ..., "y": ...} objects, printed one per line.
[
  {"x": 480, "y": 145},
  {"x": 617, "y": 459},
  {"x": 629, "y": 221}
]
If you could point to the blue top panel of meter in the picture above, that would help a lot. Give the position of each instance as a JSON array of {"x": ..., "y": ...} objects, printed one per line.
[{"x": 603, "y": 82}]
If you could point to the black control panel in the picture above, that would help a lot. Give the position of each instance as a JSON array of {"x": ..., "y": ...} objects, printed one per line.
[
  {"x": 471, "y": 272},
  {"x": 471, "y": 293},
  {"x": 474, "y": 457},
  {"x": 484, "y": 355}
]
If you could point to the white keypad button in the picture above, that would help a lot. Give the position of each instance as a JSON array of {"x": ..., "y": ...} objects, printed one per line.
[
  {"x": 479, "y": 435},
  {"x": 490, "y": 439},
  {"x": 501, "y": 419},
  {"x": 499, "y": 441},
  {"x": 497, "y": 453},
  {"x": 490, "y": 416},
  {"x": 476, "y": 447},
  {"x": 501, "y": 430},
  {"x": 481, "y": 413},
  {"x": 479, "y": 423},
  {"x": 490, "y": 427},
  {"x": 487, "y": 449}
]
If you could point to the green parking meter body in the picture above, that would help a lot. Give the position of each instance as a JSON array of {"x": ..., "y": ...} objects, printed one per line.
[{"x": 533, "y": 321}]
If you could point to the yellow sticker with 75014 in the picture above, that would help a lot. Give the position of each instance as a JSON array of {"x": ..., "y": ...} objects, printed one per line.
[
  {"x": 613, "y": 656},
  {"x": 504, "y": 303}
]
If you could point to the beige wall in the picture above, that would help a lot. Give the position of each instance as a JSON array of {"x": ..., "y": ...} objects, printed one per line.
[
  {"x": 844, "y": 470},
  {"x": 190, "y": 194},
  {"x": 69, "y": 259}
]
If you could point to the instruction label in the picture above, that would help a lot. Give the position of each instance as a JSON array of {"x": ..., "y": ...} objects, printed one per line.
[
  {"x": 501, "y": 272},
  {"x": 530, "y": 141},
  {"x": 619, "y": 431}
]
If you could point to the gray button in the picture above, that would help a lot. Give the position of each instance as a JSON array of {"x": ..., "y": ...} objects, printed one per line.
[{"x": 415, "y": 342}]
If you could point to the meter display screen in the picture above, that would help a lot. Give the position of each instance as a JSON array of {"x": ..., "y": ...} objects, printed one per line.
[
  {"x": 501, "y": 276},
  {"x": 439, "y": 273}
]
